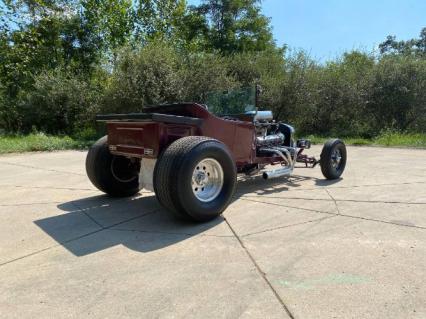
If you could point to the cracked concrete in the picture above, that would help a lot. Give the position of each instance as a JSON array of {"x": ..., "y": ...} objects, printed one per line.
[{"x": 300, "y": 247}]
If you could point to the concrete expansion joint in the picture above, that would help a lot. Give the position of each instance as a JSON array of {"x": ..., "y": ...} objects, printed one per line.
[
  {"x": 260, "y": 271},
  {"x": 50, "y": 187},
  {"x": 337, "y": 200},
  {"x": 341, "y": 215},
  {"x": 40, "y": 168},
  {"x": 334, "y": 201},
  {"x": 171, "y": 233},
  {"x": 28, "y": 204},
  {"x": 351, "y": 186},
  {"x": 287, "y": 206},
  {"x": 287, "y": 226}
]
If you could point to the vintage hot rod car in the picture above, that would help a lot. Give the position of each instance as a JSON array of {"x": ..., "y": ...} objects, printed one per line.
[{"x": 189, "y": 154}]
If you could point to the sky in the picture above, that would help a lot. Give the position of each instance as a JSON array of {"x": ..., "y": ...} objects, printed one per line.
[{"x": 326, "y": 28}]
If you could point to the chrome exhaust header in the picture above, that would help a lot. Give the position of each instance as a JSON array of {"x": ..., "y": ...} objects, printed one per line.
[{"x": 287, "y": 159}]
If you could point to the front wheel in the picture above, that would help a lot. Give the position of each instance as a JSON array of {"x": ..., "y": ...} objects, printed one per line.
[
  {"x": 333, "y": 159},
  {"x": 195, "y": 178},
  {"x": 117, "y": 176}
]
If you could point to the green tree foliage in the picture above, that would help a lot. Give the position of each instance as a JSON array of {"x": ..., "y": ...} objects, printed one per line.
[
  {"x": 204, "y": 73},
  {"x": 356, "y": 95},
  {"x": 36, "y": 36},
  {"x": 397, "y": 97},
  {"x": 63, "y": 61},
  {"x": 236, "y": 25},
  {"x": 110, "y": 22},
  {"x": 59, "y": 103},
  {"x": 144, "y": 77},
  {"x": 410, "y": 47},
  {"x": 158, "y": 19}
]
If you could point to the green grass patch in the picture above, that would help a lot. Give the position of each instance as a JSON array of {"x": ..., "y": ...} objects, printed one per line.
[
  {"x": 39, "y": 142},
  {"x": 398, "y": 139},
  {"x": 385, "y": 139},
  {"x": 42, "y": 142},
  {"x": 315, "y": 139}
]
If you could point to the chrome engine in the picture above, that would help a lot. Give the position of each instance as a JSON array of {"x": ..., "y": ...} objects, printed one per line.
[
  {"x": 275, "y": 142},
  {"x": 275, "y": 139},
  {"x": 268, "y": 132},
  {"x": 270, "y": 140}
]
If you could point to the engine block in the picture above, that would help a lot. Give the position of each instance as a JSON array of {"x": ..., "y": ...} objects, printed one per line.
[{"x": 270, "y": 140}]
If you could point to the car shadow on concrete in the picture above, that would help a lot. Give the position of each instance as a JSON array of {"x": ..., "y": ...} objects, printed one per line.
[
  {"x": 95, "y": 223},
  {"x": 256, "y": 184},
  {"x": 99, "y": 222}
]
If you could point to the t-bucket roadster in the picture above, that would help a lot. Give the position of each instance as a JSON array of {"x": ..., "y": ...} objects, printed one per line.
[{"x": 189, "y": 154}]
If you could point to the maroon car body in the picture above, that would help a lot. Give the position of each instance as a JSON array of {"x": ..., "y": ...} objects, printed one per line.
[{"x": 146, "y": 135}]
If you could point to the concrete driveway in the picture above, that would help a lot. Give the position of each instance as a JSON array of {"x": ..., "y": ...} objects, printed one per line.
[{"x": 289, "y": 248}]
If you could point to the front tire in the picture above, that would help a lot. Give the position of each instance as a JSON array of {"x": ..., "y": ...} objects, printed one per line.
[
  {"x": 117, "y": 176},
  {"x": 333, "y": 159},
  {"x": 195, "y": 178}
]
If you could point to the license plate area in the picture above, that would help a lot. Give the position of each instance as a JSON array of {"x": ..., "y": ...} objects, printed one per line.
[{"x": 134, "y": 139}]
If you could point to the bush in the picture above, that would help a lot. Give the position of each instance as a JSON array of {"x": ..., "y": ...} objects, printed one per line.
[
  {"x": 59, "y": 103},
  {"x": 205, "y": 72},
  {"x": 356, "y": 95},
  {"x": 144, "y": 77},
  {"x": 397, "y": 97},
  {"x": 266, "y": 68},
  {"x": 159, "y": 74}
]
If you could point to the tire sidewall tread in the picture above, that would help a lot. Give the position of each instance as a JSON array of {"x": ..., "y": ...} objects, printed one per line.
[
  {"x": 98, "y": 169},
  {"x": 327, "y": 170},
  {"x": 173, "y": 173}
]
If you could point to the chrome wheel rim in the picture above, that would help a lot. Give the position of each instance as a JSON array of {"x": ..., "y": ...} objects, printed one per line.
[
  {"x": 207, "y": 180},
  {"x": 336, "y": 158}
]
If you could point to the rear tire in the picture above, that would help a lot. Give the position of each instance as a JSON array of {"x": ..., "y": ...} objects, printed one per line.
[
  {"x": 115, "y": 175},
  {"x": 333, "y": 159},
  {"x": 195, "y": 178}
]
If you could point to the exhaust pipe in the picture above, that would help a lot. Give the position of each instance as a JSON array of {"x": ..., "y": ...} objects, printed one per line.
[{"x": 277, "y": 172}]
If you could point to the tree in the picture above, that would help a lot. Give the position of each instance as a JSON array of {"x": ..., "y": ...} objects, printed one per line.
[
  {"x": 236, "y": 25},
  {"x": 35, "y": 36},
  {"x": 397, "y": 98},
  {"x": 110, "y": 22},
  {"x": 158, "y": 19},
  {"x": 415, "y": 47},
  {"x": 51, "y": 35}
]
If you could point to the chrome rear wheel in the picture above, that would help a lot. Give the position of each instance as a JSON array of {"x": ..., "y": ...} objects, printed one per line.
[{"x": 207, "y": 180}]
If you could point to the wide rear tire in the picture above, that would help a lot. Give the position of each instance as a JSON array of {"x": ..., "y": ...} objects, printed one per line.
[
  {"x": 117, "y": 176},
  {"x": 195, "y": 178},
  {"x": 333, "y": 159}
]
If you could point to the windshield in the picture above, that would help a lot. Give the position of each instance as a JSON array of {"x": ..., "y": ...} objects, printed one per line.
[{"x": 231, "y": 102}]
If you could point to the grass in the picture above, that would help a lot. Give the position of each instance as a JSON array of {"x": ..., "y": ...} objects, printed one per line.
[
  {"x": 40, "y": 142},
  {"x": 43, "y": 142},
  {"x": 396, "y": 139},
  {"x": 385, "y": 139}
]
